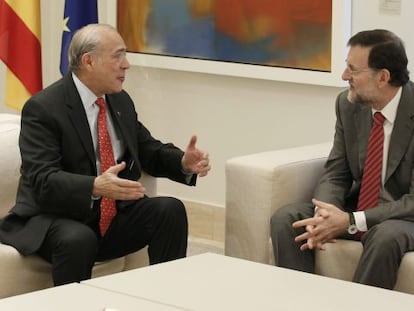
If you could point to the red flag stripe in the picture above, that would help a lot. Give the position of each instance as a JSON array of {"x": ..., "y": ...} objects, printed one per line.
[{"x": 22, "y": 56}]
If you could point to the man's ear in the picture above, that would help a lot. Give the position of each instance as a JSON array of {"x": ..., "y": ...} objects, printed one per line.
[
  {"x": 87, "y": 60},
  {"x": 384, "y": 77}
]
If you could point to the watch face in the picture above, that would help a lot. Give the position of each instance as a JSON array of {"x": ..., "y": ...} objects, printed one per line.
[{"x": 352, "y": 229}]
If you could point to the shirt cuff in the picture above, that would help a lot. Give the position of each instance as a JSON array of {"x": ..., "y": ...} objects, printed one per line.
[
  {"x": 361, "y": 221},
  {"x": 183, "y": 170}
]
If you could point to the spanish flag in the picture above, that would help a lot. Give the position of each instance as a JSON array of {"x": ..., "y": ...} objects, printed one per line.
[{"x": 20, "y": 49}]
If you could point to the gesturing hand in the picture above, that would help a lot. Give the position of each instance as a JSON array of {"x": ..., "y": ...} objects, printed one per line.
[
  {"x": 111, "y": 186},
  {"x": 195, "y": 161}
]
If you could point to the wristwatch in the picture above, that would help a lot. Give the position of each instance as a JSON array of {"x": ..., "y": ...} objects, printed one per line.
[{"x": 352, "y": 228}]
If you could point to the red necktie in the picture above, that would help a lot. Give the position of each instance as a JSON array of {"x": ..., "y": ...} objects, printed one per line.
[
  {"x": 106, "y": 154},
  {"x": 371, "y": 177}
]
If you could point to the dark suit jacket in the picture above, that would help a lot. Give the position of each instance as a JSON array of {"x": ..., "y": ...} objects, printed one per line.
[
  {"x": 340, "y": 183},
  {"x": 59, "y": 163}
]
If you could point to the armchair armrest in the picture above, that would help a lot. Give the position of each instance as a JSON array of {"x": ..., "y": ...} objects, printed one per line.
[
  {"x": 257, "y": 185},
  {"x": 150, "y": 184}
]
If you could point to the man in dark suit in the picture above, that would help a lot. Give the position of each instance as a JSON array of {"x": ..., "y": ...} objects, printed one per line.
[
  {"x": 378, "y": 82},
  {"x": 57, "y": 212}
]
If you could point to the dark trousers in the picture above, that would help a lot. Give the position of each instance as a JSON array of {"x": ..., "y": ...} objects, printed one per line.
[{"x": 73, "y": 247}]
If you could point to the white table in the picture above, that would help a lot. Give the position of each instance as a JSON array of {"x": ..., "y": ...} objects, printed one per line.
[
  {"x": 216, "y": 282},
  {"x": 79, "y": 297}
]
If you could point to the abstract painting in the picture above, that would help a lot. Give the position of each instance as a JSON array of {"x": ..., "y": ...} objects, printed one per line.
[{"x": 294, "y": 34}]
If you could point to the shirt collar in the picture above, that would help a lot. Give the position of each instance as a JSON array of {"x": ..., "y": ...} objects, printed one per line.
[
  {"x": 390, "y": 110},
  {"x": 87, "y": 96}
]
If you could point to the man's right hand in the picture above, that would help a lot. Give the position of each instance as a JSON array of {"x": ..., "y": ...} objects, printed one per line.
[{"x": 111, "y": 186}]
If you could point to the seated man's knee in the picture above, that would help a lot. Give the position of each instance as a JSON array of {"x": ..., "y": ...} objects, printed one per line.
[
  {"x": 291, "y": 212},
  {"x": 387, "y": 236},
  {"x": 81, "y": 241},
  {"x": 172, "y": 207}
]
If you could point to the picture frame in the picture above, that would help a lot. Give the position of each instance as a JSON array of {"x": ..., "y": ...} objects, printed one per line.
[{"x": 341, "y": 32}]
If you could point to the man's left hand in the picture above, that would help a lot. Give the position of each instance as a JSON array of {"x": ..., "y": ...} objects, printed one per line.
[
  {"x": 328, "y": 223},
  {"x": 194, "y": 160}
]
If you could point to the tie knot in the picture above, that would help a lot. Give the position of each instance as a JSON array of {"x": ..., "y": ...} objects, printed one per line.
[
  {"x": 379, "y": 118},
  {"x": 100, "y": 102}
]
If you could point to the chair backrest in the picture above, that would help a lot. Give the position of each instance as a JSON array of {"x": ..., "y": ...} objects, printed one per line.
[{"x": 9, "y": 160}]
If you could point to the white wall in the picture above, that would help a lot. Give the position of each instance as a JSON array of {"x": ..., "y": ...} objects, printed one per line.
[{"x": 232, "y": 116}]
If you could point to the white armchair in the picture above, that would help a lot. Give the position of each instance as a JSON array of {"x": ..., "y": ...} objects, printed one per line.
[
  {"x": 258, "y": 184},
  {"x": 21, "y": 274}
]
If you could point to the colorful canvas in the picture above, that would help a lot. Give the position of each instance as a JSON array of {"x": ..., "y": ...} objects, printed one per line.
[{"x": 281, "y": 33}]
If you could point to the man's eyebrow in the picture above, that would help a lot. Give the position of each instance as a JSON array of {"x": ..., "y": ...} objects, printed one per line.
[{"x": 349, "y": 65}]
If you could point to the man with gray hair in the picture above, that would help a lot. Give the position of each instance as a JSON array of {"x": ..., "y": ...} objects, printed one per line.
[{"x": 83, "y": 150}]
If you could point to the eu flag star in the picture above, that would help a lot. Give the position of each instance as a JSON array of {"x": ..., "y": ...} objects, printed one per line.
[{"x": 65, "y": 24}]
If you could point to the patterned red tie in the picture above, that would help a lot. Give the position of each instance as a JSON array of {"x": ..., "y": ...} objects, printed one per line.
[
  {"x": 371, "y": 177},
  {"x": 106, "y": 154}
]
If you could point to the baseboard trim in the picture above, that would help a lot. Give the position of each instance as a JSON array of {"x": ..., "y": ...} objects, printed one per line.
[{"x": 205, "y": 221}]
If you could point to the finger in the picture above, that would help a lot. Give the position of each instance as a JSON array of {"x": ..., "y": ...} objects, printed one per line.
[
  {"x": 127, "y": 183},
  {"x": 303, "y": 223},
  {"x": 315, "y": 243},
  {"x": 320, "y": 246},
  {"x": 310, "y": 244},
  {"x": 298, "y": 224},
  {"x": 323, "y": 213},
  {"x": 203, "y": 166},
  {"x": 204, "y": 162},
  {"x": 129, "y": 195},
  {"x": 317, "y": 202},
  {"x": 320, "y": 204},
  {"x": 192, "y": 143},
  {"x": 116, "y": 168},
  {"x": 310, "y": 229},
  {"x": 302, "y": 237},
  {"x": 204, "y": 172},
  {"x": 129, "y": 190}
]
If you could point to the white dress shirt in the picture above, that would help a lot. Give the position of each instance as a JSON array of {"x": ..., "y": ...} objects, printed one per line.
[
  {"x": 389, "y": 112},
  {"x": 88, "y": 100}
]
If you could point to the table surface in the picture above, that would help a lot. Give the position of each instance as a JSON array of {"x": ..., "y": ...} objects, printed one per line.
[
  {"x": 216, "y": 282},
  {"x": 79, "y": 297}
]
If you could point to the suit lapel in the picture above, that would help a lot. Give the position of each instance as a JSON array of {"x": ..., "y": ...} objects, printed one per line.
[
  {"x": 403, "y": 128},
  {"x": 78, "y": 117},
  {"x": 119, "y": 115},
  {"x": 363, "y": 123}
]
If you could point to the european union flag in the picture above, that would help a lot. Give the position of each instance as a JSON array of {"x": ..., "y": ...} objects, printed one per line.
[{"x": 78, "y": 13}]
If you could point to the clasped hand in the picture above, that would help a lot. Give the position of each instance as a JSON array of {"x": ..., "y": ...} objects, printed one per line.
[{"x": 328, "y": 223}]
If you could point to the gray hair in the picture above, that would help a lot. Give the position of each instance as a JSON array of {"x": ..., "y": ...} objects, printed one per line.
[{"x": 85, "y": 40}]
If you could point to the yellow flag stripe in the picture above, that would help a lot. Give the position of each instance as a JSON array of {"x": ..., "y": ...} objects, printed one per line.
[
  {"x": 28, "y": 11},
  {"x": 16, "y": 94}
]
